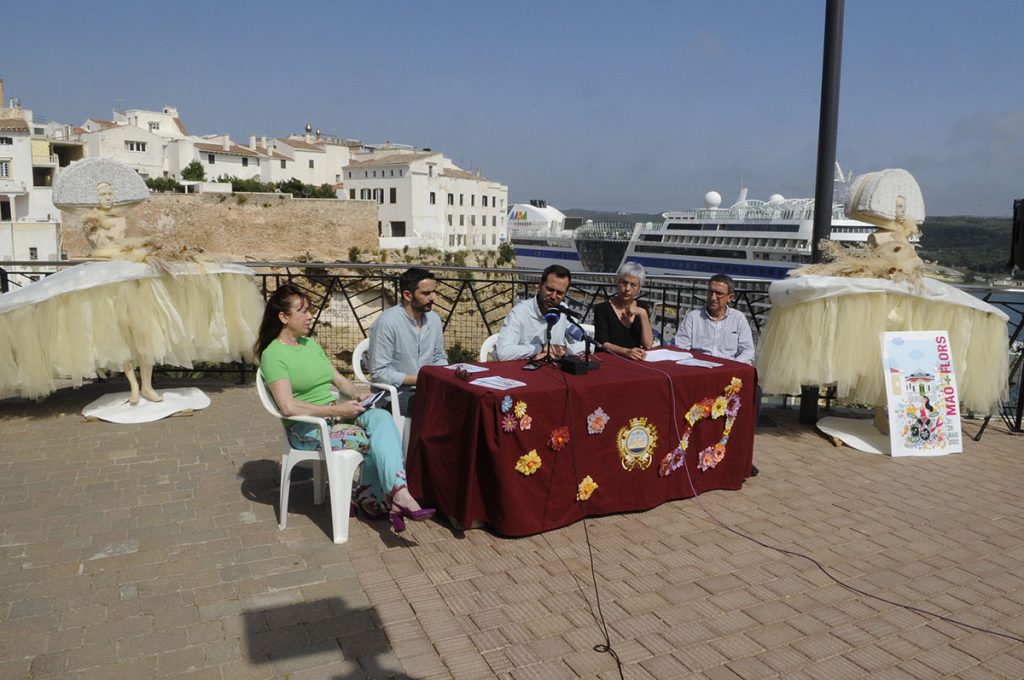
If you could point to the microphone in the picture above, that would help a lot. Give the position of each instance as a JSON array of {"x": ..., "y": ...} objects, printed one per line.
[
  {"x": 576, "y": 365},
  {"x": 576, "y": 333},
  {"x": 562, "y": 309},
  {"x": 551, "y": 317}
]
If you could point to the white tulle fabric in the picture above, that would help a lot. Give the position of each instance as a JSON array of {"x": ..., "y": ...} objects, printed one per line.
[
  {"x": 825, "y": 330},
  {"x": 96, "y": 316}
]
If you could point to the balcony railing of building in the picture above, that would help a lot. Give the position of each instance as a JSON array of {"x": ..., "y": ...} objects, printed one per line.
[{"x": 473, "y": 303}]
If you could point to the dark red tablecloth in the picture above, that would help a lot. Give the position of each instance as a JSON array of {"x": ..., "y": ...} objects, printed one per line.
[{"x": 461, "y": 459}]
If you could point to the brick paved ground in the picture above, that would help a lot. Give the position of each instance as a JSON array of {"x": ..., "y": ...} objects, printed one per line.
[{"x": 142, "y": 551}]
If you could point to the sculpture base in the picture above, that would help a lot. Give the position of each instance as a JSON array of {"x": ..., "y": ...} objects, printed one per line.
[
  {"x": 856, "y": 433},
  {"x": 114, "y": 408}
]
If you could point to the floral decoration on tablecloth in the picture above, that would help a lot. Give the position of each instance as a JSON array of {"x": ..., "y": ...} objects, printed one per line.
[
  {"x": 586, "y": 488},
  {"x": 509, "y": 422},
  {"x": 528, "y": 463},
  {"x": 515, "y": 417},
  {"x": 596, "y": 421},
  {"x": 728, "y": 405},
  {"x": 559, "y": 438},
  {"x": 636, "y": 444}
]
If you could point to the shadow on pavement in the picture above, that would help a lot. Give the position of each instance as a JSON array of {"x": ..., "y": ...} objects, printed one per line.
[
  {"x": 310, "y": 634},
  {"x": 261, "y": 484}
]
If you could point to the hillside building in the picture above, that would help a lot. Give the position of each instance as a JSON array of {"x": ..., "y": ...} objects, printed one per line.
[
  {"x": 29, "y": 163},
  {"x": 425, "y": 200}
]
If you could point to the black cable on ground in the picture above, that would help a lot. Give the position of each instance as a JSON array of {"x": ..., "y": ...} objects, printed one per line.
[{"x": 816, "y": 563}]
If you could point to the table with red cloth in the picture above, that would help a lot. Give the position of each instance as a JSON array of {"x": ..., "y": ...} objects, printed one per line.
[{"x": 465, "y": 447}]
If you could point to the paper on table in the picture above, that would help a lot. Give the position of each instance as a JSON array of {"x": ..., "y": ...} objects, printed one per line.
[
  {"x": 666, "y": 355},
  {"x": 470, "y": 368},
  {"x": 497, "y": 382},
  {"x": 697, "y": 362}
]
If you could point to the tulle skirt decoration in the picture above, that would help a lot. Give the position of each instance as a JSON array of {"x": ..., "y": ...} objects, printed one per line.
[
  {"x": 96, "y": 316},
  {"x": 826, "y": 331}
]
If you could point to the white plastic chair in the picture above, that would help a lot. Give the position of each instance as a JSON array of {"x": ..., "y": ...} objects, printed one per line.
[
  {"x": 488, "y": 347},
  {"x": 401, "y": 422},
  {"x": 341, "y": 466}
]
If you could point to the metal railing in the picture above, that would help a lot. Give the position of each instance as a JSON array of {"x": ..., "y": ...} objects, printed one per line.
[{"x": 473, "y": 303}]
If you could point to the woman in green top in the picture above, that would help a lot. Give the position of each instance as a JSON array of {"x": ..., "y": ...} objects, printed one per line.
[{"x": 300, "y": 377}]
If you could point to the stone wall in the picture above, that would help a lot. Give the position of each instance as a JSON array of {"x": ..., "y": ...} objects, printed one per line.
[{"x": 262, "y": 227}]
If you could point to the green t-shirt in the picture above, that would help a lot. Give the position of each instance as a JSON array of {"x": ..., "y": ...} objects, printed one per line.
[{"x": 305, "y": 366}]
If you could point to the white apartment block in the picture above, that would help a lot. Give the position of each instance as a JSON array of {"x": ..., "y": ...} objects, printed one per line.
[
  {"x": 164, "y": 123},
  {"x": 142, "y": 150},
  {"x": 425, "y": 200},
  {"x": 220, "y": 156},
  {"x": 29, "y": 163}
]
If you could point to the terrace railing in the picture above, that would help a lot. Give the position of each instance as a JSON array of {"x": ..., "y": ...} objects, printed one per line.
[{"x": 472, "y": 304}]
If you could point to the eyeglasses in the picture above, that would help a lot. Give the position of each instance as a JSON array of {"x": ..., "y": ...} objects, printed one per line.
[
  {"x": 719, "y": 293},
  {"x": 628, "y": 284}
]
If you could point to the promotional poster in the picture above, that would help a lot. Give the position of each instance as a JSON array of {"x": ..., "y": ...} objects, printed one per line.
[{"x": 924, "y": 407}]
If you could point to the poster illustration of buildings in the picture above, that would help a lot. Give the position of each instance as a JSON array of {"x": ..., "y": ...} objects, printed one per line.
[{"x": 920, "y": 383}]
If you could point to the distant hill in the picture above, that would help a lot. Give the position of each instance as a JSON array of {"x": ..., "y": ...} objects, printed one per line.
[
  {"x": 970, "y": 244},
  {"x": 979, "y": 245}
]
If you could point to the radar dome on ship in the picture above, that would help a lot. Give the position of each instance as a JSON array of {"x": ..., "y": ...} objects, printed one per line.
[
  {"x": 712, "y": 199},
  {"x": 776, "y": 198}
]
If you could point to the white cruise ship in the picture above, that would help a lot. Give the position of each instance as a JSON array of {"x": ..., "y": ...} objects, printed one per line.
[{"x": 751, "y": 239}]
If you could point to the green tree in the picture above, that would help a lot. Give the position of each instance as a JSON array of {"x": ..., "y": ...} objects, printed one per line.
[
  {"x": 163, "y": 184},
  {"x": 457, "y": 354},
  {"x": 506, "y": 254},
  {"x": 194, "y": 172}
]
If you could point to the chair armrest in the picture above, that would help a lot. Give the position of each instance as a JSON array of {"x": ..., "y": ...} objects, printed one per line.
[
  {"x": 325, "y": 428},
  {"x": 392, "y": 391}
]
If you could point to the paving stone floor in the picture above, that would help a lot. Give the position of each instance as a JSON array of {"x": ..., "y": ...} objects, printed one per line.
[{"x": 153, "y": 551}]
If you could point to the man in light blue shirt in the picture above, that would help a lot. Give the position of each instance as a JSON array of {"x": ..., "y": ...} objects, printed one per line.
[
  {"x": 720, "y": 331},
  {"x": 525, "y": 332},
  {"x": 715, "y": 328},
  {"x": 408, "y": 336}
]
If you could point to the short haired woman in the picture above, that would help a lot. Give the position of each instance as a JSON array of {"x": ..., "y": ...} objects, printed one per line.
[{"x": 621, "y": 324}]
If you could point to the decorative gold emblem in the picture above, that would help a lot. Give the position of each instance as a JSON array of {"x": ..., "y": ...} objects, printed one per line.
[{"x": 636, "y": 444}]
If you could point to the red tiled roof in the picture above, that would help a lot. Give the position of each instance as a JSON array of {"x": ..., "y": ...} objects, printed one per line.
[
  {"x": 300, "y": 144},
  {"x": 235, "y": 149},
  {"x": 13, "y": 125},
  {"x": 181, "y": 126},
  {"x": 104, "y": 124},
  {"x": 394, "y": 159},
  {"x": 462, "y": 174},
  {"x": 277, "y": 155}
]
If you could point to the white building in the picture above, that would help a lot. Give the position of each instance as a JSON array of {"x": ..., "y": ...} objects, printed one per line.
[
  {"x": 142, "y": 150},
  {"x": 164, "y": 123},
  {"x": 220, "y": 156},
  {"x": 29, "y": 163},
  {"x": 425, "y": 200}
]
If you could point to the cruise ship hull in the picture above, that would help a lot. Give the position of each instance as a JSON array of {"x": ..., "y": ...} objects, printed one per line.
[{"x": 746, "y": 241}]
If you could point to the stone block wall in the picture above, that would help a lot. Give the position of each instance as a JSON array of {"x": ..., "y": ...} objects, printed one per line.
[{"x": 261, "y": 227}]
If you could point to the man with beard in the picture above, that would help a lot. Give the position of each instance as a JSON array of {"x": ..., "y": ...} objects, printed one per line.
[
  {"x": 524, "y": 334},
  {"x": 406, "y": 337}
]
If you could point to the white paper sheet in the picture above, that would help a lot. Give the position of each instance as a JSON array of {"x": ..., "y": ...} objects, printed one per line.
[
  {"x": 698, "y": 362},
  {"x": 666, "y": 355},
  {"x": 497, "y": 382}
]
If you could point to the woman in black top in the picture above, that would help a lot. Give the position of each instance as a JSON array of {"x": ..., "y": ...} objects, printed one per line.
[{"x": 621, "y": 324}]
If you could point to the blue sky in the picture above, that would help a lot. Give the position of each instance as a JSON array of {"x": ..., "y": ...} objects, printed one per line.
[{"x": 593, "y": 104}]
